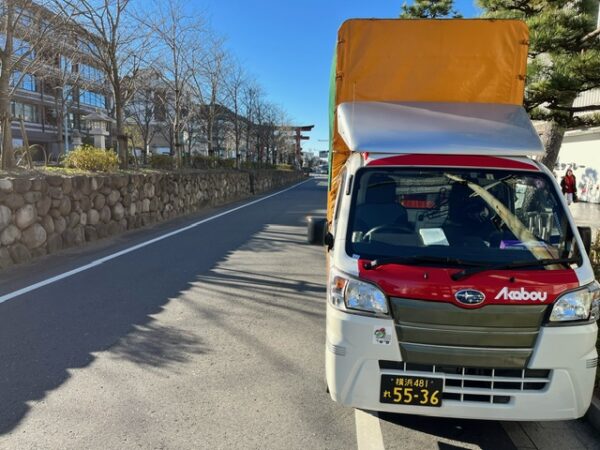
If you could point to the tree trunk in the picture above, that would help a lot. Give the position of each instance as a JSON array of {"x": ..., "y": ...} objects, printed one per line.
[
  {"x": 237, "y": 145},
  {"x": 121, "y": 136},
  {"x": 248, "y": 137},
  {"x": 552, "y": 139},
  {"x": 59, "y": 127},
  {"x": 8, "y": 161},
  {"x": 26, "y": 144},
  {"x": 177, "y": 128},
  {"x": 145, "y": 151},
  {"x": 177, "y": 144},
  {"x": 209, "y": 136}
]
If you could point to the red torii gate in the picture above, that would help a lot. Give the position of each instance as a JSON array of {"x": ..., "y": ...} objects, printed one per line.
[{"x": 298, "y": 137}]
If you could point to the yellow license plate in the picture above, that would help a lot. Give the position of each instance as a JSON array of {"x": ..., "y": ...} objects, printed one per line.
[{"x": 403, "y": 390}]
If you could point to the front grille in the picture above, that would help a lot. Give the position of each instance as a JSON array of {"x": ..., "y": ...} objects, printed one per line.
[
  {"x": 481, "y": 385},
  {"x": 591, "y": 363},
  {"x": 433, "y": 332}
]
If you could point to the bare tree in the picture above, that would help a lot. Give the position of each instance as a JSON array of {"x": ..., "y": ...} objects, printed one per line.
[
  {"x": 235, "y": 82},
  {"x": 284, "y": 151},
  {"x": 26, "y": 28},
  {"x": 116, "y": 43},
  {"x": 142, "y": 110},
  {"x": 208, "y": 81},
  {"x": 251, "y": 99},
  {"x": 60, "y": 80},
  {"x": 260, "y": 128},
  {"x": 193, "y": 125},
  {"x": 178, "y": 37}
]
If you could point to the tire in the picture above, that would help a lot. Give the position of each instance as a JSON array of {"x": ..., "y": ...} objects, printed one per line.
[{"x": 316, "y": 228}]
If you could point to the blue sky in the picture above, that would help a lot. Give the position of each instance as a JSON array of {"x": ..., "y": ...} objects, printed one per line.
[{"x": 287, "y": 46}]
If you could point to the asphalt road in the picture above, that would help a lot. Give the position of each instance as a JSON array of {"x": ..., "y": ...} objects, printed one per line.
[{"x": 212, "y": 337}]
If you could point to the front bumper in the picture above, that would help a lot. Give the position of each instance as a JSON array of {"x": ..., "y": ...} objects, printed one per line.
[{"x": 353, "y": 373}]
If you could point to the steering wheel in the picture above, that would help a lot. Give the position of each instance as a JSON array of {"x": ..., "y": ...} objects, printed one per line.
[{"x": 390, "y": 228}]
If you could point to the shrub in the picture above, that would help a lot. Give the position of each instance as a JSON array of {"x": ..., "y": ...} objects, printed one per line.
[
  {"x": 163, "y": 162},
  {"x": 256, "y": 165},
  {"x": 91, "y": 158},
  {"x": 287, "y": 167},
  {"x": 211, "y": 162}
]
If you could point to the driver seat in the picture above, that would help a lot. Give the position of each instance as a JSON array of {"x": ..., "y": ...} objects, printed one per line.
[{"x": 381, "y": 206}]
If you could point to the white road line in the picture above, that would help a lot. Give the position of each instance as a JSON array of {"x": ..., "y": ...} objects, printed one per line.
[
  {"x": 97, "y": 262},
  {"x": 368, "y": 431}
]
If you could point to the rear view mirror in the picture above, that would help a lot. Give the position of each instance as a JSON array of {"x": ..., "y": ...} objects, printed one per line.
[
  {"x": 586, "y": 237},
  {"x": 316, "y": 230}
]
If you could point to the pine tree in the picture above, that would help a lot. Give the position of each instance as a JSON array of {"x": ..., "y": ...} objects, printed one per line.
[
  {"x": 429, "y": 9},
  {"x": 564, "y": 61}
]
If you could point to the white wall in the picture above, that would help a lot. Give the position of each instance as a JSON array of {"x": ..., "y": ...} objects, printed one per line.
[{"x": 581, "y": 152}]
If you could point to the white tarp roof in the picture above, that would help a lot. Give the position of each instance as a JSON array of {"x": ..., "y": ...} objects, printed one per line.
[{"x": 446, "y": 128}]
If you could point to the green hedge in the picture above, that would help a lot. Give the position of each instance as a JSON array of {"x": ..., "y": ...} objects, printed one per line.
[
  {"x": 163, "y": 162},
  {"x": 255, "y": 166},
  {"x": 211, "y": 162}
]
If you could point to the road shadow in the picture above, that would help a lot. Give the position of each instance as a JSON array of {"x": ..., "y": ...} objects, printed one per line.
[
  {"x": 153, "y": 345},
  {"x": 485, "y": 434},
  {"x": 46, "y": 333}
]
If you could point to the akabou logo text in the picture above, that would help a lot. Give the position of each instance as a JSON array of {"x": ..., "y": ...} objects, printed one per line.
[{"x": 522, "y": 295}]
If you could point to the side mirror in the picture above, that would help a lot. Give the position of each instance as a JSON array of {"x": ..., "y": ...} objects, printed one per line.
[
  {"x": 328, "y": 240},
  {"x": 316, "y": 230},
  {"x": 586, "y": 237}
]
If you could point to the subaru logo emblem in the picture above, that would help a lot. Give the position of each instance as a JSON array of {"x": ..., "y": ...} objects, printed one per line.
[{"x": 469, "y": 297}]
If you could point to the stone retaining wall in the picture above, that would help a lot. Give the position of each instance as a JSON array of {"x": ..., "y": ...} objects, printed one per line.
[{"x": 45, "y": 214}]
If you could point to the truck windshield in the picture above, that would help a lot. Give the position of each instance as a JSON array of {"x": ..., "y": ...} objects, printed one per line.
[{"x": 487, "y": 216}]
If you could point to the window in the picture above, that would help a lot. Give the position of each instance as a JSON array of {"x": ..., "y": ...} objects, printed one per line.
[
  {"x": 66, "y": 64},
  {"x": 88, "y": 47},
  {"x": 488, "y": 216},
  {"x": 92, "y": 98},
  {"x": 27, "y": 83},
  {"x": 29, "y": 113},
  {"x": 21, "y": 47},
  {"x": 51, "y": 116},
  {"x": 91, "y": 73},
  {"x": 68, "y": 92}
]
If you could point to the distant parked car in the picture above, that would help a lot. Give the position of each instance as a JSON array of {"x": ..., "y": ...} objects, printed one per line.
[{"x": 322, "y": 169}]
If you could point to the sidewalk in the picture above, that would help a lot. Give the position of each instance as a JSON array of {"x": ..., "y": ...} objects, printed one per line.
[{"x": 587, "y": 214}]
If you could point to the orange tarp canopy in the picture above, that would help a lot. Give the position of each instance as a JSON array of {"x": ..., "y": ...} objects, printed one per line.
[{"x": 470, "y": 60}]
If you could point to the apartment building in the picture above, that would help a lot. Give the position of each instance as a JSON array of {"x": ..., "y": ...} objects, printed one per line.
[
  {"x": 150, "y": 115},
  {"x": 65, "y": 81}
]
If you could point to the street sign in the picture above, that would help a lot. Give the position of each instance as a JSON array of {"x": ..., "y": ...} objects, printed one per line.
[{"x": 323, "y": 154}]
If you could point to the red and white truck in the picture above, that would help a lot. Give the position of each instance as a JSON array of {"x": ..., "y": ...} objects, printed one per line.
[{"x": 458, "y": 282}]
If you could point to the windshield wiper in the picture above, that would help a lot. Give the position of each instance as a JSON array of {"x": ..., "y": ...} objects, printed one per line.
[
  {"x": 420, "y": 260},
  {"x": 514, "y": 265}
]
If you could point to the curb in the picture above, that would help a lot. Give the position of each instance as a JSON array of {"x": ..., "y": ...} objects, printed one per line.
[{"x": 593, "y": 413}]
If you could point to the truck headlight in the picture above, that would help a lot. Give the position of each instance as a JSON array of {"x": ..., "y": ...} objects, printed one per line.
[
  {"x": 357, "y": 295},
  {"x": 582, "y": 304}
]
